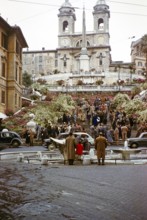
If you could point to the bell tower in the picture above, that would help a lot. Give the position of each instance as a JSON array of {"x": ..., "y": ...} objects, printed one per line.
[
  {"x": 67, "y": 20},
  {"x": 101, "y": 16}
]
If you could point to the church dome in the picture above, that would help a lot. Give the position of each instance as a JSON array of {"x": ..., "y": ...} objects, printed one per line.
[
  {"x": 67, "y": 9},
  {"x": 101, "y": 6}
]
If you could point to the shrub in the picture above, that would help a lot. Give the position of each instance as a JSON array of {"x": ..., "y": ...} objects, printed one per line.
[{"x": 9, "y": 112}]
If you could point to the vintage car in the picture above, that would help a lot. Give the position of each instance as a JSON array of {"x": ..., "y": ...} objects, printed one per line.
[
  {"x": 136, "y": 142},
  {"x": 63, "y": 136},
  {"x": 10, "y": 139}
]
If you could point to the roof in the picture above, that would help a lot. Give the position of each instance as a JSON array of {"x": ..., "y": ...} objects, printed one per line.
[
  {"x": 17, "y": 30},
  {"x": 66, "y": 4},
  {"x": 13, "y": 29}
]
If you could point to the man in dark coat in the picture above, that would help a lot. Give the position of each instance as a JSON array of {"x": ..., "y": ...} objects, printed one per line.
[
  {"x": 70, "y": 145},
  {"x": 100, "y": 145}
]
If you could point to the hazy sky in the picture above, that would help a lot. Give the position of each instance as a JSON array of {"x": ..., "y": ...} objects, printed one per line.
[{"x": 38, "y": 21}]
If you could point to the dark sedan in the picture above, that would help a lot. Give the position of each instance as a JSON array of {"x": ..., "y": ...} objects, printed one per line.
[
  {"x": 140, "y": 141},
  {"x": 10, "y": 139}
]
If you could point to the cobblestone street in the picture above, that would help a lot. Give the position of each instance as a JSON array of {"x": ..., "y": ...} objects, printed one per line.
[{"x": 58, "y": 192}]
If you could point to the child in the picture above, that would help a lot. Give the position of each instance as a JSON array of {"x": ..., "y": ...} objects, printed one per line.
[{"x": 79, "y": 149}]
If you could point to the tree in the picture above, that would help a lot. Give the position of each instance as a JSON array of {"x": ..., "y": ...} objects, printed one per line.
[
  {"x": 26, "y": 79},
  {"x": 99, "y": 82},
  {"x": 80, "y": 82},
  {"x": 135, "y": 90},
  {"x": 144, "y": 50}
]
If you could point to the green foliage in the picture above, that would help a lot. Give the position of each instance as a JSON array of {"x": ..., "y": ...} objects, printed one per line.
[
  {"x": 144, "y": 86},
  {"x": 26, "y": 79},
  {"x": 9, "y": 112},
  {"x": 36, "y": 86},
  {"x": 134, "y": 107},
  {"x": 80, "y": 82},
  {"x": 143, "y": 116},
  {"x": 41, "y": 81},
  {"x": 120, "y": 99},
  {"x": 43, "y": 111},
  {"x": 99, "y": 82},
  {"x": 63, "y": 103},
  {"x": 135, "y": 90},
  {"x": 34, "y": 97}
]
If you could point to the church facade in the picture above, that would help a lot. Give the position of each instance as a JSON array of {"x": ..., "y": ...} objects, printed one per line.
[{"x": 66, "y": 57}]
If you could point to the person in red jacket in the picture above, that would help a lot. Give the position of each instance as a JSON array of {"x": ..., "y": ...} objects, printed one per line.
[{"x": 79, "y": 149}]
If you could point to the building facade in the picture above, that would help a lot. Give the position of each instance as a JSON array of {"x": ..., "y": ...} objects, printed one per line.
[
  {"x": 66, "y": 57},
  {"x": 11, "y": 43},
  {"x": 138, "y": 57}
]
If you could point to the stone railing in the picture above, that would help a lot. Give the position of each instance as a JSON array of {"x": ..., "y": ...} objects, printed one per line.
[{"x": 89, "y": 88}]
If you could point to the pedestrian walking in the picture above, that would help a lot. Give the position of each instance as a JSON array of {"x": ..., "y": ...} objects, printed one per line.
[
  {"x": 32, "y": 134},
  {"x": 100, "y": 146},
  {"x": 70, "y": 145},
  {"x": 124, "y": 131}
]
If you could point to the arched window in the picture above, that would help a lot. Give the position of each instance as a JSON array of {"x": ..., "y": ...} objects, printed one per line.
[
  {"x": 79, "y": 43},
  {"x": 101, "y": 24},
  {"x": 65, "y": 26},
  {"x": 88, "y": 44}
]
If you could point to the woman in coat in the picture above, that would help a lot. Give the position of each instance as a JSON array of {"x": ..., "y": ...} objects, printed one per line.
[
  {"x": 100, "y": 145},
  {"x": 70, "y": 145}
]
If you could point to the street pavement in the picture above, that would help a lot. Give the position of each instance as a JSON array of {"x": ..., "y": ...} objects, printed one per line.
[{"x": 78, "y": 192}]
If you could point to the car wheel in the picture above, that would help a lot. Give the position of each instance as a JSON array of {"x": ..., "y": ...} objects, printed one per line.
[
  {"x": 134, "y": 145},
  {"x": 15, "y": 144}
]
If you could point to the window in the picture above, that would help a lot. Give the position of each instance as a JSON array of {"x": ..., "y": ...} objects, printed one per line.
[
  {"x": 16, "y": 71},
  {"x": 139, "y": 63},
  {"x": 79, "y": 43},
  {"x": 40, "y": 68},
  {"x": 101, "y": 24},
  {"x": 19, "y": 101},
  {"x": 3, "y": 69},
  {"x": 40, "y": 58},
  {"x": 56, "y": 55},
  {"x": 20, "y": 75},
  {"x": 18, "y": 49},
  {"x": 3, "y": 97},
  {"x": 65, "y": 26},
  {"x": 4, "y": 41},
  {"x": 56, "y": 63},
  {"x": 16, "y": 99}
]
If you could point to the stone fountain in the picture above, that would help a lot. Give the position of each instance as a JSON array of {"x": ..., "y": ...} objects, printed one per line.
[{"x": 126, "y": 152}]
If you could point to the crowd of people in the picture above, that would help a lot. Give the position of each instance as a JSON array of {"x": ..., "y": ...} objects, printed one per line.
[{"x": 95, "y": 118}]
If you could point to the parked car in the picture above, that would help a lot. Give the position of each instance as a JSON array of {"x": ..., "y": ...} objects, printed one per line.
[
  {"x": 10, "y": 138},
  {"x": 63, "y": 136},
  {"x": 136, "y": 142}
]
